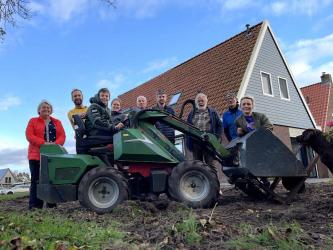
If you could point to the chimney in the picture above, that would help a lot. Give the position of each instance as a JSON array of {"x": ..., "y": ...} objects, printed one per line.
[
  {"x": 326, "y": 78},
  {"x": 248, "y": 31}
]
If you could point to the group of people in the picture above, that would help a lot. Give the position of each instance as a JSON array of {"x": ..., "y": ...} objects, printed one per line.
[{"x": 101, "y": 120}]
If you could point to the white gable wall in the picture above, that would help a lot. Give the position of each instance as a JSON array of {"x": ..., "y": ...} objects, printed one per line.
[
  {"x": 291, "y": 113},
  {"x": 8, "y": 174}
]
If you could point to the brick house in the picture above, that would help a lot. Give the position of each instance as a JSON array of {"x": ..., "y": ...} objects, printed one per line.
[
  {"x": 249, "y": 63},
  {"x": 319, "y": 97}
]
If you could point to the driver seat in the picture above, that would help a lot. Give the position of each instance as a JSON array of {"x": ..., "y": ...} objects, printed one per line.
[{"x": 85, "y": 143}]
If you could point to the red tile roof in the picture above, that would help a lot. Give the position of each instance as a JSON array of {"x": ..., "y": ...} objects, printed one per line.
[
  {"x": 317, "y": 98},
  {"x": 216, "y": 72}
]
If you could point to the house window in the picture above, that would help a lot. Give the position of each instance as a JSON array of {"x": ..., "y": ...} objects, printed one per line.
[
  {"x": 174, "y": 99},
  {"x": 8, "y": 180},
  {"x": 284, "y": 93},
  {"x": 266, "y": 84}
]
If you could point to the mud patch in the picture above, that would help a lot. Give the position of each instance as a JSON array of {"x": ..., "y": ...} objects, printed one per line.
[{"x": 152, "y": 224}]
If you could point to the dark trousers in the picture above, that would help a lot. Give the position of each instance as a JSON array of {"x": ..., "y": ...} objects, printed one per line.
[
  {"x": 34, "y": 202},
  {"x": 201, "y": 155}
]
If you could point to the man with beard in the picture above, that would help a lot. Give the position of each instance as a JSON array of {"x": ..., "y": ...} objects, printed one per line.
[
  {"x": 206, "y": 119},
  {"x": 79, "y": 109},
  {"x": 166, "y": 130},
  {"x": 229, "y": 117}
]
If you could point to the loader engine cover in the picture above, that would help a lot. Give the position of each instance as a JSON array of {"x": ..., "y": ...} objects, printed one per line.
[{"x": 262, "y": 154}]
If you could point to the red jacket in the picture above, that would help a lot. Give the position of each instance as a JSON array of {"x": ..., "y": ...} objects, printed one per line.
[{"x": 35, "y": 135}]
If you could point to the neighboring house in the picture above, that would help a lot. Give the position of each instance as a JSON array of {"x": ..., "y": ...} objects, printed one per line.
[
  {"x": 319, "y": 97},
  {"x": 6, "y": 177},
  {"x": 249, "y": 63}
]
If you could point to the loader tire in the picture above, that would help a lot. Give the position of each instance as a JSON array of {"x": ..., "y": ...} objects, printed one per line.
[
  {"x": 102, "y": 189},
  {"x": 195, "y": 184},
  {"x": 290, "y": 183}
]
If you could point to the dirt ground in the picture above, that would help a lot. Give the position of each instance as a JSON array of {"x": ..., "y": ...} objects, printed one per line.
[{"x": 151, "y": 225}]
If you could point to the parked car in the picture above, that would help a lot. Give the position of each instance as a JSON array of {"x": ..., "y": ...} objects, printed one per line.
[{"x": 20, "y": 188}]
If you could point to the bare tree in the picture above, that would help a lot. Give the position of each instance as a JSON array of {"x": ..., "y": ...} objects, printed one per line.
[
  {"x": 21, "y": 176},
  {"x": 11, "y": 10}
]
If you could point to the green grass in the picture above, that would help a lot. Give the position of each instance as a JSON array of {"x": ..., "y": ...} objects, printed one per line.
[
  {"x": 6, "y": 197},
  {"x": 43, "y": 229},
  {"x": 289, "y": 236},
  {"x": 189, "y": 228}
]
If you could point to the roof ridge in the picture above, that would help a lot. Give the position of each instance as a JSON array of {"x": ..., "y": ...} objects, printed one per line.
[
  {"x": 310, "y": 85},
  {"x": 190, "y": 59}
]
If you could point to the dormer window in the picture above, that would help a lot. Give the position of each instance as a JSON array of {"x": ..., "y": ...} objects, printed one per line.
[{"x": 174, "y": 99}]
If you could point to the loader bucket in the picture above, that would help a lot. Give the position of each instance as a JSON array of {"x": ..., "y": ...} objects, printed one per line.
[{"x": 261, "y": 154}]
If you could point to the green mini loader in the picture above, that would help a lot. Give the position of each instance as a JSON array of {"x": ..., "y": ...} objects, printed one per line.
[{"x": 139, "y": 160}]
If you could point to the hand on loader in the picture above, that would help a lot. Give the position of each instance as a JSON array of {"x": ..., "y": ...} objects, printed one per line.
[{"x": 119, "y": 126}]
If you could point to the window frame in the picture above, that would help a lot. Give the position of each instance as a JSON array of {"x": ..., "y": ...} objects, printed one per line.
[
  {"x": 262, "y": 83},
  {"x": 175, "y": 103},
  {"x": 286, "y": 99}
]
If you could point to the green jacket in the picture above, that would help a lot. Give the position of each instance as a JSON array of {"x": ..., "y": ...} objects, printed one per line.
[
  {"x": 260, "y": 121},
  {"x": 98, "y": 120}
]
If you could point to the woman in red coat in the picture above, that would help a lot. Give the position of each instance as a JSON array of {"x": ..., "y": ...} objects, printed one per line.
[{"x": 41, "y": 130}]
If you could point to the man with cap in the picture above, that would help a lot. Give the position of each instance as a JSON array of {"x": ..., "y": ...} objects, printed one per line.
[
  {"x": 79, "y": 109},
  {"x": 229, "y": 117},
  {"x": 166, "y": 130}
]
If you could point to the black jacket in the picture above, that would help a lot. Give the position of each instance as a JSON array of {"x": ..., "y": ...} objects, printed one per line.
[
  {"x": 165, "y": 129},
  {"x": 98, "y": 120}
]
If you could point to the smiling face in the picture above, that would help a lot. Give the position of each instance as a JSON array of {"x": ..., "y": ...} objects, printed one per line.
[
  {"x": 247, "y": 106},
  {"x": 115, "y": 106},
  {"x": 201, "y": 102},
  {"x": 45, "y": 110},
  {"x": 141, "y": 102},
  {"x": 104, "y": 97},
  {"x": 162, "y": 99},
  {"x": 77, "y": 97}
]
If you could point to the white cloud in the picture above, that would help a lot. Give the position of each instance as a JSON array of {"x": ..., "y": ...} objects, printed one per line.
[
  {"x": 311, "y": 50},
  {"x": 112, "y": 83},
  {"x": 64, "y": 10},
  {"x": 160, "y": 64},
  {"x": 279, "y": 7},
  {"x": 36, "y": 7},
  {"x": 140, "y": 8},
  {"x": 307, "y": 7},
  {"x": 9, "y": 101},
  {"x": 13, "y": 157},
  {"x": 236, "y": 4},
  {"x": 308, "y": 58},
  {"x": 13, "y": 153}
]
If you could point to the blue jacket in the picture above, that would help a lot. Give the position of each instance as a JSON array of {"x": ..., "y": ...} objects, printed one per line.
[
  {"x": 229, "y": 122},
  {"x": 215, "y": 125},
  {"x": 165, "y": 129}
]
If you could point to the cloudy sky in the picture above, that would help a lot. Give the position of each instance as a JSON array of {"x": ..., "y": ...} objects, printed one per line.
[{"x": 88, "y": 44}]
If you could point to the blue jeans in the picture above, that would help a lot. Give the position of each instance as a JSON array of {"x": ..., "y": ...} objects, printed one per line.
[{"x": 34, "y": 202}]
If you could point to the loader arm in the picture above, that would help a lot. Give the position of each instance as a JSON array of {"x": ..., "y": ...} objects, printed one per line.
[{"x": 209, "y": 140}]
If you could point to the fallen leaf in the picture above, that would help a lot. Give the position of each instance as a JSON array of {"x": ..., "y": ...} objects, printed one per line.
[
  {"x": 250, "y": 211},
  {"x": 203, "y": 222},
  {"x": 272, "y": 234}
]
